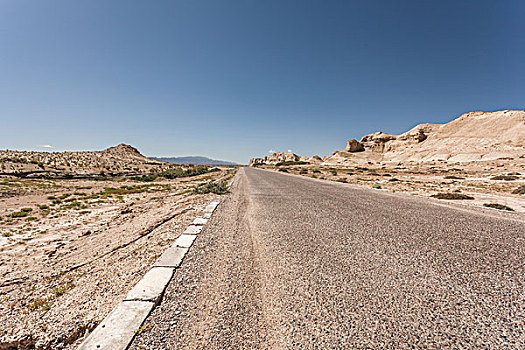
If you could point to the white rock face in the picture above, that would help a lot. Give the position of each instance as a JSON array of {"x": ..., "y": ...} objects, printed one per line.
[{"x": 474, "y": 136}]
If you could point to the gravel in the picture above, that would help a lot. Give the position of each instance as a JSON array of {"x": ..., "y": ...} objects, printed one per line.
[{"x": 291, "y": 262}]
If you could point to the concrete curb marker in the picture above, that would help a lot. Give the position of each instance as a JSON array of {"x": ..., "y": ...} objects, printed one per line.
[
  {"x": 151, "y": 286},
  {"x": 184, "y": 241},
  {"x": 117, "y": 330},
  {"x": 172, "y": 257},
  {"x": 200, "y": 221},
  {"x": 193, "y": 230}
]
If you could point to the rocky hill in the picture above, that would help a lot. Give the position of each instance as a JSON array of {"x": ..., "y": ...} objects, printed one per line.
[
  {"x": 472, "y": 137},
  {"x": 118, "y": 160}
]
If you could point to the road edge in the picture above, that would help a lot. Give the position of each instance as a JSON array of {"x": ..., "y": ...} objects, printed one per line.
[{"x": 119, "y": 327}]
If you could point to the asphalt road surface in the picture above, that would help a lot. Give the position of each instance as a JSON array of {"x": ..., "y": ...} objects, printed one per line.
[{"x": 295, "y": 263}]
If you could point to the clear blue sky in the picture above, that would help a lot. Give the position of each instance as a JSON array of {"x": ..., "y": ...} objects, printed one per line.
[{"x": 234, "y": 79}]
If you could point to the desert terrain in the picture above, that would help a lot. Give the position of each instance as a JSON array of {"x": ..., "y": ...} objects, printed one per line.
[
  {"x": 78, "y": 229},
  {"x": 477, "y": 159}
]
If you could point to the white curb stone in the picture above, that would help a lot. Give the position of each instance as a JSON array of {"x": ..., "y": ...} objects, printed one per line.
[
  {"x": 210, "y": 208},
  {"x": 193, "y": 230},
  {"x": 172, "y": 257},
  {"x": 152, "y": 285},
  {"x": 184, "y": 241},
  {"x": 200, "y": 221},
  {"x": 117, "y": 330}
]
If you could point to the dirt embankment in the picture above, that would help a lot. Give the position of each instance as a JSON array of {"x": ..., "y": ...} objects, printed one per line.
[{"x": 71, "y": 249}]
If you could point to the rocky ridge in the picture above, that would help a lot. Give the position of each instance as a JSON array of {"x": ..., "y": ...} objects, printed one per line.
[
  {"x": 118, "y": 160},
  {"x": 472, "y": 137}
]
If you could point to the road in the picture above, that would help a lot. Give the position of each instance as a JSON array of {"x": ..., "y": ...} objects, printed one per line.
[{"x": 289, "y": 262}]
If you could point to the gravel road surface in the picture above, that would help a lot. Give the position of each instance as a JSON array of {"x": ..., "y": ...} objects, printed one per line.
[{"x": 289, "y": 262}]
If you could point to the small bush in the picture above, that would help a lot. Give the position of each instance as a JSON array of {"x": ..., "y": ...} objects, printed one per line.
[
  {"x": 304, "y": 171},
  {"x": 43, "y": 207},
  {"x": 333, "y": 172},
  {"x": 42, "y": 304},
  {"x": 498, "y": 206},
  {"x": 51, "y": 198},
  {"x": 378, "y": 187},
  {"x": 504, "y": 177},
  {"x": 145, "y": 178},
  {"x": 19, "y": 214},
  {"x": 61, "y": 290},
  {"x": 343, "y": 180},
  {"x": 283, "y": 170},
  {"x": 393, "y": 179},
  {"x": 211, "y": 187},
  {"x": 519, "y": 190},
  {"x": 454, "y": 177},
  {"x": 453, "y": 196}
]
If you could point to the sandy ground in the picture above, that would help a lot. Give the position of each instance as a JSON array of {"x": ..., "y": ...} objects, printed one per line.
[
  {"x": 69, "y": 260},
  {"x": 475, "y": 181}
]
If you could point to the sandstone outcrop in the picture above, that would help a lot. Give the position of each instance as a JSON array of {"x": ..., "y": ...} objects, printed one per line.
[
  {"x": 354, "y": 146},
  {"x": 279, "y": 157},
  {"x": 473, "y": 136},
  {"x": 377, "y": 141}
]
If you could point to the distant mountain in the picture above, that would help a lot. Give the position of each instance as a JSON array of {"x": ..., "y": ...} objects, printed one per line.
[{"x": 193, "y": 160}]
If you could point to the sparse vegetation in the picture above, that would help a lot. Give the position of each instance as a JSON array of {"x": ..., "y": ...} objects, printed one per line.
[
  {"x": 175, "y": 173},
  {"x": 452, "y": 196},
  {"x": 498, "y": 206},
  {"x": 144, "y": 328},
  {"x": 504, "y": 177},
  {"x": 60, "y": 290},
  {"x": 42, "y": 304},
  {"x": 211, "y": 187},
  {"x": 454, "y": 177},
  {"x": 22, "y": 213},
  {"x": 377, "y": 186},
  {"x": 519, "y": 190}
]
